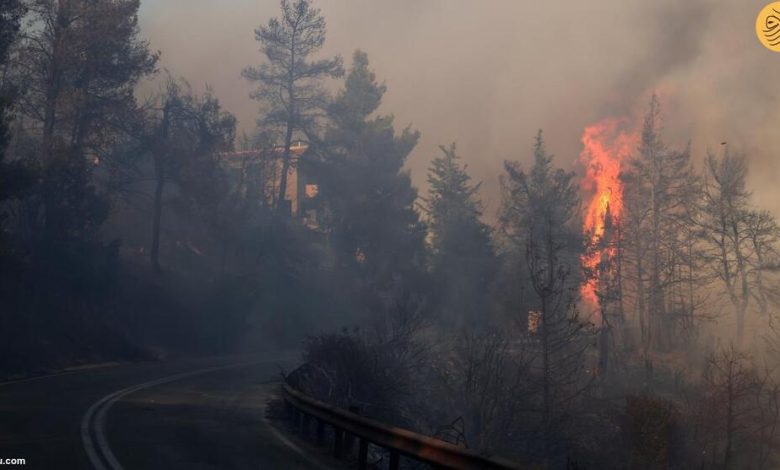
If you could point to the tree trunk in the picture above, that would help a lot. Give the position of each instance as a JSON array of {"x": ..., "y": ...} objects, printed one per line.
[
  {"x": 740, "y": 315},
  {"x": 547, "y": 367},
  {"x": 729, "y": 417},
  {"x": 157, "y": 217},
  {"x": 285, "y": 168},
  {"x": 546, "y": 397},
  {"x": 640, "y": 302},
  {"x": 744, "y": 292},
  {"x": 49, "y": 126},
  {"x": 291, "y": 117},
  {"x": 657, "y": 314},
  {"x": 604, "y": 339},
  {"x": 160, "y": 153}
]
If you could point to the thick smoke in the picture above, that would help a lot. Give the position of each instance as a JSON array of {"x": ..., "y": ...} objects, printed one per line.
[{"x": 488, "y": 74}]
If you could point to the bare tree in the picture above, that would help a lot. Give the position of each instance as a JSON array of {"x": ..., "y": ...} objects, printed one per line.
[
  {"x": 736, "y": 415},
  {"x": 660, "y": 189},
  {"x": 741, "y": 241},
  {"x": 764, "y": 237},
  {"x": 488, "y": 381}
]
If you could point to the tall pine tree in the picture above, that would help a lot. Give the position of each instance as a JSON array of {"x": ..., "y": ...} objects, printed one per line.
[
  {"x": 289, "y": 81},
  {"x": 369, "y": 199},
  {"x": 462, "y": 260},
  {"x": 540, "y": 217}
]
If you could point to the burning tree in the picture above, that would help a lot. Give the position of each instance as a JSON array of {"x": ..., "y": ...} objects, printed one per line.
[
  {"x": 643, "y": 196},
  {"x": 604, "y": 281},
  {"x": 606, "y": 147}
]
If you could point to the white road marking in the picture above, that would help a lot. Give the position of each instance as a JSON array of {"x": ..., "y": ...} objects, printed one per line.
[
  {"x": 73, "y": 371},
  {"x": 286, "y": 441},
  {"x": 94, "y": 420}
]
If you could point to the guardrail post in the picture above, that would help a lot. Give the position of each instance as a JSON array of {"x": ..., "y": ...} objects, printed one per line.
[
  {"x": 339, "y": 444},
  {"x": 299, "y": 421},
  {"x": 320, "y": 432},
  {"x": 395, "y": 459},
  {"x": 303, "y": 410},
  {"x": 349, "y": 443},
  {"x": 305, "y": 424},
  {"x": 349, "y": 438},
  {"x": 290, "y": 409},
  {"x": 363, "y": 455}
]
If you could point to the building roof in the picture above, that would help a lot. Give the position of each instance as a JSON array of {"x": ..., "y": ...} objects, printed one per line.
[{"x": 297, "y": 149}]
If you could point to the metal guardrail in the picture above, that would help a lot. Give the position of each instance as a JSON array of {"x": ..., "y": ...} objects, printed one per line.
[{"x": 348, "y": 426}]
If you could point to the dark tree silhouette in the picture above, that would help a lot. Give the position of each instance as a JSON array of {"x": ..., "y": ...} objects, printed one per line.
[{"x": 289, "y": 82}]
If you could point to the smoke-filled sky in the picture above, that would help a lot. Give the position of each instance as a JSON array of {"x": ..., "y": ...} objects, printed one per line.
[{"x": 487, "y": 75}]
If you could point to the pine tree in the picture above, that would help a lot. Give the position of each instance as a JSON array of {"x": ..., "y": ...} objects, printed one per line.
[
  {"x": 369, "y": 200},
  {"x": 463, "y": 258},
  {"x": 289, "y": 82},
  {"x": 539, "y": 216}
]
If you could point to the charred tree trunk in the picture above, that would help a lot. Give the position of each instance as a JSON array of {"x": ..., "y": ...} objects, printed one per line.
[
  {"x": 280, "y": 202},
  {"x": 154, "y": 254},
  {"x": 53, "y": 88},
  {"x": 640, "y": 303},
  {"x": 159, "y": 190},
  {"x": 729, "y": 417},
  {"x": 744, "y": 289},
  {"x": 291, "y": 121},
  {"x": 658, "y": 335}
]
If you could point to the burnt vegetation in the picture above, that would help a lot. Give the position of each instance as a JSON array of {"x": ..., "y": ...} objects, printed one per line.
[{"x": 133, "y": 224}]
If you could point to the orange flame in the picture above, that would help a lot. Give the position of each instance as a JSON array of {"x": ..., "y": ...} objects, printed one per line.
[{"x": 606, "y": 145}]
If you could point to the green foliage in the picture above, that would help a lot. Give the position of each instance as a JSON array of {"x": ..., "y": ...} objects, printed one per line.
[
  {"x": 541, "y": 203},
  {"x": 288, "y": 80},
  {"x": 361, "y": 96},
  {"x": 462, "y": 259},
  {"x": 186, "y": 136},
  {"x": 368, "y": 197},
  {"x": 289, "y": 83},
  {"x": 80, "y": 70},
  {"x": 539, "y": 218},
  {"x": 539, "y": 225}
]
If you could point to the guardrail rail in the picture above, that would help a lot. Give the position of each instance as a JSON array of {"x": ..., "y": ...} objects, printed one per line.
[{"x": 349, "y": 426}]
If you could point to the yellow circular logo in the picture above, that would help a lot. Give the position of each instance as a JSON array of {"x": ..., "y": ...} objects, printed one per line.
[{"x": 768, "y": 26}]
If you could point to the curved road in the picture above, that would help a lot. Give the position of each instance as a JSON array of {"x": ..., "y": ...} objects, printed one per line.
[{"x": 193, "y": 414}]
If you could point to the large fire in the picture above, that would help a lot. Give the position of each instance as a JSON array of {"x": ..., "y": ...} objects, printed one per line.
[{"x": 606, "y": 146}]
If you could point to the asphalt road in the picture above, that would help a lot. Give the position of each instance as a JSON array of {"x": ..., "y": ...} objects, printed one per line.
[{"x": 193, "y": 414}]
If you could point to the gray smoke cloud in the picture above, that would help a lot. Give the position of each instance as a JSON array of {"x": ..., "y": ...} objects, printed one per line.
[{"x": 488, "y": 74}]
